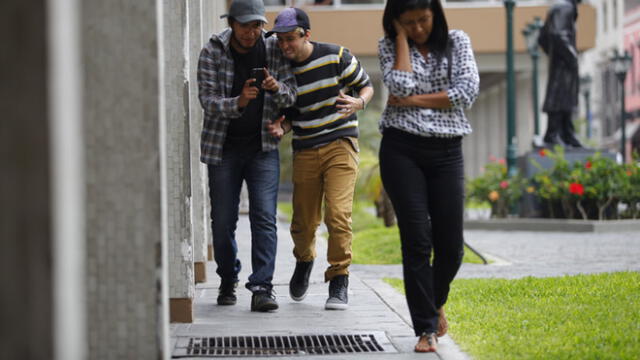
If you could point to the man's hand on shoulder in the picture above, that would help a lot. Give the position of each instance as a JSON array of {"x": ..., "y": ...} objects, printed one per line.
[{"x": 277, "y": 128}]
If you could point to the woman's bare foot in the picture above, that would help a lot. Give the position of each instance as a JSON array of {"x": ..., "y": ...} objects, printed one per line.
[
  {"x": 443, "y": 324},
  {"x": 427, "y": 343}
]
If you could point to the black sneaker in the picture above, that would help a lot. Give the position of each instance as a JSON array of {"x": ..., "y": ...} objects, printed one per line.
[
  {"x": 227, "y": 293},
  {"x": 263, "y": 300},
  {"x": 299, "y": 283},
  {"x": 338, "y": 298}
]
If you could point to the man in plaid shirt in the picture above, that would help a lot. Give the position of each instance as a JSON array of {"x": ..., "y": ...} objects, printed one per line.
[{"x": 237, "y": 147}]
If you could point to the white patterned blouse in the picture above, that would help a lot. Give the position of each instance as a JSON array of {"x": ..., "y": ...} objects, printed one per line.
[{"x": 430, "y": 77}]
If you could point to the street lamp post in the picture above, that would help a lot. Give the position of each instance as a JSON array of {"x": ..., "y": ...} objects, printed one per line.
[
  {"x": 531, "y": 34},
  {"x": 621, "y": 63},
  {"x": 585, "y": 89},
  {"x": 511, "y": 92}
]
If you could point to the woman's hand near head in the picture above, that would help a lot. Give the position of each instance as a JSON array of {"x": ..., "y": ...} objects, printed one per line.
[
  {"x": 403, "y": 62},
  {"x": 401, "y": 33}
]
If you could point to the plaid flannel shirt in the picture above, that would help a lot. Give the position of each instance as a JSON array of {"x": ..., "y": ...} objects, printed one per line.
[{"x": 215, "y": 81}]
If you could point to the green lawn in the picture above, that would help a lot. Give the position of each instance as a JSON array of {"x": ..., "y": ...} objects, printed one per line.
[
  {"x": 571, "y": 317},
  {"x": 373, "y": 243},
  {"x": 381, "y": 245},
  {"x": 286, "y": 209}
]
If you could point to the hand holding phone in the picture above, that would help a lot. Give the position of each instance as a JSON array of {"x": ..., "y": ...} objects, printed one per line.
[{"x": 258, "y": 74}]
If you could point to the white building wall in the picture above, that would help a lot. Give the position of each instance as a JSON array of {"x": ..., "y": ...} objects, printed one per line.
[
  {"x": 595, "y": 62},
  {"x": 488, "y": 114}
]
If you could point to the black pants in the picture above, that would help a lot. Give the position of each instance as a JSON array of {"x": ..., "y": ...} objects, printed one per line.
[{"x": 424, "y": 178}]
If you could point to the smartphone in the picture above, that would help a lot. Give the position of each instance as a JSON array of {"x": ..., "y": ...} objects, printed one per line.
[{"x": 258, "y": 74}]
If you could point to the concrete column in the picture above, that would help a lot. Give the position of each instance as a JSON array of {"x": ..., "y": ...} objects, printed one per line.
[
  {"x": 68, "y": 182},
  {"x": 176, "y": 87},
  {"x": 124, "y": 135},
  {"x": 474, "y": 145},
  {"x": 488, "y": 119},
  {"x": 210, "y": 24},
  {"x": 524, "y": 115},
  {"x": 499, "y": 143},
  {"x": 199, "y": 214},
  {"x": 25, "y": 206}
]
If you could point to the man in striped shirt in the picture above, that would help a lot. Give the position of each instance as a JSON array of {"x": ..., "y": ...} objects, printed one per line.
[{"x": 325, "y": 161}]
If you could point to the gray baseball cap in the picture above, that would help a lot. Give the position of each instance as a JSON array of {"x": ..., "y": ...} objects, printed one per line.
[{"x": 244, "y": 11}]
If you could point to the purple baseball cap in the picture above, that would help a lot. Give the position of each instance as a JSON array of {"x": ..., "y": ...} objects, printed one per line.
[{"x": 289, "y": 19}]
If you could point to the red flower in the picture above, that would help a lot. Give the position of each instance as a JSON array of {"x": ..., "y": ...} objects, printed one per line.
[
  {"x": 501, "y": 161},
  {"x": 542, "y": 152},
  {"x": 576, "y": 189},
  {"x": 587, "y": 165},
  {"x": 504, "y": 184}
]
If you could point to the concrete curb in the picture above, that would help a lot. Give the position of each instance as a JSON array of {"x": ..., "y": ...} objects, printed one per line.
[
  {"x": 558, "y": 225},
  {"x": 447, "y": 348}
]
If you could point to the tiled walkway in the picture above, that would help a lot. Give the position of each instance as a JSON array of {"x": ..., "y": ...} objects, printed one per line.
[{"x": 374, "y": 307}]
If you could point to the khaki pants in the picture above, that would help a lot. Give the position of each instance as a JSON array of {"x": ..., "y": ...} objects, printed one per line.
[{"x": 329, "y": 171}]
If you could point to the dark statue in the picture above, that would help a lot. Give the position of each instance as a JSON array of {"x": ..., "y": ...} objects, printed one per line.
[{"x": 558, "y": 40}]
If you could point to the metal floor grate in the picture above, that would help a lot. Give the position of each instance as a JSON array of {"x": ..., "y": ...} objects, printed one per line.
[{"x": 245, "y": 346}]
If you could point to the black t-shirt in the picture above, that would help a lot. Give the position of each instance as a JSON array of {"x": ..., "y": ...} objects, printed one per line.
[{"x": 245, "y": 131}]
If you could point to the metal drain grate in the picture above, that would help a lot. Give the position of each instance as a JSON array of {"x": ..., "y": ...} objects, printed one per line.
[{"x": 244, "y": 346}]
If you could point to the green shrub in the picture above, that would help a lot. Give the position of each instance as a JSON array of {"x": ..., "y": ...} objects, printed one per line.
[
  {"x": 589, "y": 189},
  {"x": 497, "y": 188}
]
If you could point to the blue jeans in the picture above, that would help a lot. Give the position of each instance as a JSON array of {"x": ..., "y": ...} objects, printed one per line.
[{"x": 261, "y": 171}]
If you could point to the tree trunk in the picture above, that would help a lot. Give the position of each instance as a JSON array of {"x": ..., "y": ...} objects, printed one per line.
[
  {"x": 582, "y": 211},
  {"x": 385, "y": 209}
]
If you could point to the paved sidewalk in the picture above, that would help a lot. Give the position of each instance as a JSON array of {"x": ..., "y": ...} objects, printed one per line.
[
  {"x": 373, "y": 307},
  {"x": 519, "y": 254}
]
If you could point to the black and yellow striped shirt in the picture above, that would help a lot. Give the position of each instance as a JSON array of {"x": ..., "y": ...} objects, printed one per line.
[{"x": 314, "y": 118}]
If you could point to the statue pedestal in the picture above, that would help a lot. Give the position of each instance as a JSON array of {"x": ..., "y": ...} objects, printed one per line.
[{"x": 530, "y": 205}]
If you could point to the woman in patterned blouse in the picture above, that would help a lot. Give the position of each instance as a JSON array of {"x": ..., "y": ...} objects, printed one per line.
[{"x": 432, "y": 77}]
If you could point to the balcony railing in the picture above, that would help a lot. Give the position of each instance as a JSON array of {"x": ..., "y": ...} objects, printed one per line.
[{"x": 378, "y": 4}]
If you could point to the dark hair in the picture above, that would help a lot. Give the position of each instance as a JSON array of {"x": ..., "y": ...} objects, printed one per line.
[
  {"x": 231, "y": 21},
  {"x": 438, "y": 41}
]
